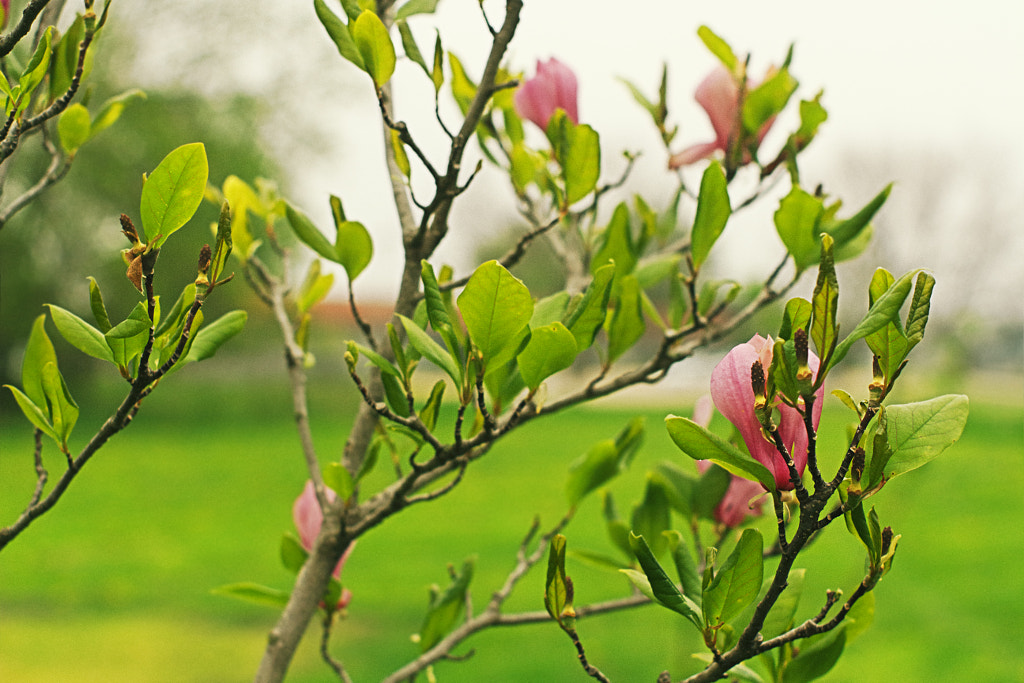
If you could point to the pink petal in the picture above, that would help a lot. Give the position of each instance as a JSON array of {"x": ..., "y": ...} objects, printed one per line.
[
  {"x": 719, "y": 96},
  {"x": 692, "y": 155}
]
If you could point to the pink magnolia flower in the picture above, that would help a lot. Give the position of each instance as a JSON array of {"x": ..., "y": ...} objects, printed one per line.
[
  {"x": 733, "y": 395},
  {"x": 719, "y": 95},
  {"x": 308, "y": 518},
  {"x": 736, "y": 504},
  {"x": 554, "y": 87}
]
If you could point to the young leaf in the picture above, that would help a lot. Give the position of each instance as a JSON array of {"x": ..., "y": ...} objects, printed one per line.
[
  {"x": 337, "y": 477},
  {"x": 495, "y": 306},
  {"x": 920, "y": 305},
  {"x": 700, "y": 444},
  {"x": 551, "y": 349},
  {"x": 99, "y": 310},
  {"x": 797, "y": 316},
  {"x": 586, "y": 318},
  {"x": 737, "y": 581},
  {"x": 112, "y": 109},
  {"x": 662, "y": 589},
  {"x": 685, "y": 566},
  {"x": 37, "y": 415},
  {"x": 580, "y": 160},
  {"x": 825, "y": 301},
  {"x": 432, "y": 408},
  {"x": 314, "y": 288},
  {"x": 797, "y": 221},
  {"x": 416, "y": 7},
  {"x": 446, "y": 608},
  {"x": 919, "y": 432},
  {"x": 713, "y": 211},
  {"x": 38, "y": 352},
  {"x": 412, "y": 50},
  {"x": 339, "y": 33},
  {"x": 63, "y": 409},
  {"x": 652, "y": 516},
  {"x": 253, "y": 592},
  {"x": 73, "y": 127},
  {"x": 437, "y": 312},
  {"x": 211, "y": 337},
  {"x": 293, "y": 555},
  {"x": 767, "y": 100},
  {"x": 353, "y": 246},
  {"x": 374, "y": 45},
  {"x": 431, "y": 350},
  {"x": 80, "y": 334},
  {"x": 558, "y": 593},
  {"x": 309, "y": 234},
  {"x": 718, "y": 47},
  {"x": 884, "y": 310},
  {"x": 127, "y": 339},
  {"x": 627, "y": 323},
  {"x": 173, "y": 191},
  {"x": 617, "y": 244}
]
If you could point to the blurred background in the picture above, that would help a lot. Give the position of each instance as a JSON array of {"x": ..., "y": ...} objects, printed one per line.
[{"x": 928, "y": 99}]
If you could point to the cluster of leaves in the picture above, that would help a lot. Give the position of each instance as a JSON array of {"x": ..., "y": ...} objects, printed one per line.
[{"x": 149, "y": 343}]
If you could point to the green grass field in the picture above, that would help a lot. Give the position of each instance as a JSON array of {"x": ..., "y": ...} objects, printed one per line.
[{"x": 114, "y": 585}]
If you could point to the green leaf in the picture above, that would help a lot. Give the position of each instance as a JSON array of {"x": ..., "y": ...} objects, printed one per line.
[
  {"x": 446, "y": 608},
  {"x": 817, "y": 656},
  {"x": 812, "y": 115},
  {"x": 337, "y": 477},
  {"x": 709, "y": 491},
  {"x": 385, "y": 366},
  {"x": 38, "y": 352},
  {"x": 112, "y": 109},
  {"x": 80, "y": 334},
  {"x": 889, "y": 343},
  {"x": 254, "y": 592},
  {"x": 797, "y": 221},
  {"x": 680, "y": 486},
  {"x": 211, "y": 337},
  {"x": 920, "y": 305},
  {"x": 586, "y": 318},
  {"x": 652, "y": 516},
  {"x": 416, "y": 7},
  {"x": 127, "y": 339},
  {"x": 432, "y": 408},
  {"x": 173, "y": 191},
  {"x": 718, "y": 47},
  {"x": 437, "y": 312},
  {"x": 64, "y": 60},
  {"x": 700, "y": 444},
  {"x": 36, "y": 69},
  {"x": 661, "y": 587},
  {"x": 558, "y": 592},
  {"x": 577, "y": 150},
  {"x": 293, "y": 555},
  {"x": 797, "y": 316},
  {"x": 495, "y": 306},
  {"x": 412, "y": 50},
  {"x": 767, "y": 100},
  {"x": 37, "y": 415},
  {"x": 846, "y": 231},
  {"x": 627, "y": 323},
  {"x": 713, "y": 211},
  {"x": 339, "y": 33},
  {"x": 737, "y": 581},
  {"x": 431, "y": 350},
  {"x": 604, "y": 461},
  {"x": 99, "y": 310},
  {"x": 353, "y": 246},
  {"x": 617, "y": 244},
  {"x": 463, "y": 89},
  {"x": 374, "y": 45},
  {"x": 686, "y": 568},
  {"x": 309, "y": 234},
  {"x": 437, "y": 71},
  {"x": 825, "y": 302},
  {"x": 884, "y": 310},
  {"x": 314, "y": 288},
  {"x": 919, "y": 432},
  {"x": 63, "y": 409},
  {"x": 782, "y": 615},
  {"x": 73, "y": 127},
  {"x": 551, "y": 349}
]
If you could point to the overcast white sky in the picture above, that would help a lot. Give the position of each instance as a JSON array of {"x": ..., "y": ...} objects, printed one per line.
[{"x": 901, "y": 79}]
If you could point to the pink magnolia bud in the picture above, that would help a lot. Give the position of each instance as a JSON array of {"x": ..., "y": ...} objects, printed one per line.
[
  {"x": 734, "y": 397},
  {"x": 554, "y": 87},
  {"x": 719, "y": 96},
  {"x": 308, "y": 519}
]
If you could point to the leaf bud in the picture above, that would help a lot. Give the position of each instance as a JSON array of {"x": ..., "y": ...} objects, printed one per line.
[
  {"x": 129, "y": 231},
  {"x": 205, "y": 257},
  {"x": 804, "y": 374},
  {"x": 877, "y": 385}
]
